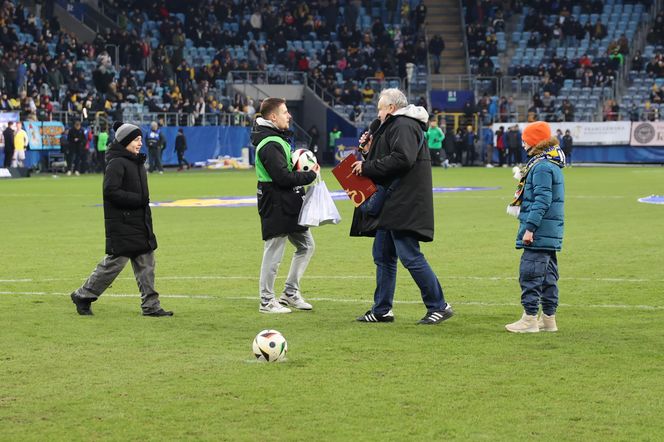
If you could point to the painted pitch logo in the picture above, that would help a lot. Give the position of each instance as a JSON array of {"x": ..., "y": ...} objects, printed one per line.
[{"x": 244, "y": 201}]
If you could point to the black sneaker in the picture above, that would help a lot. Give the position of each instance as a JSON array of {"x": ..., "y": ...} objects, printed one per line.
[
  {"x": 438, "y": 316},
  {"x": 158, "y": 313},
  {"x": 374, "y": 317},
  {"x": 82, "y": 305}
]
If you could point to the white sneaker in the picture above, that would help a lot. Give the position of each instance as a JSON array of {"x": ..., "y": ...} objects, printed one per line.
[
  {"x": 547, "y": 323},
  {"x": 527, "y": 324},
  {"x": 273, "y": 307},
  {"x": 295, "y": 301},
  {"x": 77, "y": 173},
  {"x": 69, "y": 173}
]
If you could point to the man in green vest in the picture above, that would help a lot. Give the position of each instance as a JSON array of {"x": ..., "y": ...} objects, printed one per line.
[
  {"x": 435, "y": 137},
  {"x": 280, "y": 196},
  {"x": 101, "y": 146},
  {"x": 334, "y": 135}
]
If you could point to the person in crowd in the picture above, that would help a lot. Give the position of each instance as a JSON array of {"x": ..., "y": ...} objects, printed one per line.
[
  {"x": 435, "y": 138},
  {"x": 280, "y": 194},
  {"x": 180, "y": 149},
  {"x": 20, "y": 145},
  {"x": 75, "y": 148},
  {"x": 8, "y": 137},
  {"x": 395, "y": 156},
  {"x": 470, "y": 139},
  {"x": 156, "y": 143},
  {"x": 539, "y": 205},
  {"x": 313, "y": 142},
  {"x": 332, "y": 138},
  {"x": 500, "y": 146},
  {"x": 487, "y": 147},
  {"x": 101, "y": 146},
  {"x": 459, "y": 147},
  {"x": 436, "y": 47},
  {"x": 567, "y": 144},
  {"x": 514, "y": 145},
  {"x": 128, "y": 220}
]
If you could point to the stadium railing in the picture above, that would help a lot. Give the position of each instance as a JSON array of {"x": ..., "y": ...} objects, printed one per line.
[
  {"x": 456, "y": 120},
  {"x": 171, "y": 118}
]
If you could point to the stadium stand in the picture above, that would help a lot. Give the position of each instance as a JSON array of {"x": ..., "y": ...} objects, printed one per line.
[
  {"x": 163, "y": 56},
  {"x": 569, "y": 60}
]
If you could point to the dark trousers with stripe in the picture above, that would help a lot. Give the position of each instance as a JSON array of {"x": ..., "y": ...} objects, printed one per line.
[{"x": 390, "y": 245}]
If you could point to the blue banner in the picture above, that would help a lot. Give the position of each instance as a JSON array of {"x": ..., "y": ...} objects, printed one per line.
[
  {"x": 203, "y": 142},
  {"x": 451, "y": 101}
]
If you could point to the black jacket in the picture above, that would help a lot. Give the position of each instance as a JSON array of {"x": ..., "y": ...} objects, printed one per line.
[
  {"x": 396, "y": 152},
  {"x": 76, "y": 138},
  {"x": 568, "y": 143},
  {"x": 280, "y": 201},
  {"x": 8, "y": 135},
  {"x": 180, "y": 143},
  {"x": 127, "y": 215}
]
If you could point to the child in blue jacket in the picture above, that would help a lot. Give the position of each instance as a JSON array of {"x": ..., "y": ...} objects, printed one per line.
[{"x": 539, "y": 205}]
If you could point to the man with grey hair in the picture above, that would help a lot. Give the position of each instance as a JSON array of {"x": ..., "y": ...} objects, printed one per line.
[
  {"x": 156, "y": 142},
  {"x": 397, "y": 159}
]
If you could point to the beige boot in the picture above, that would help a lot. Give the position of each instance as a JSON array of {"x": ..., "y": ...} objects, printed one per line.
[
  {"x": 527, "y": 324},
  {"x": 547, "y": 323}
]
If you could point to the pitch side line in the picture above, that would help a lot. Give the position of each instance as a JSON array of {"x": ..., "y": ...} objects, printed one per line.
[
  {"x": 347, "y": 301},
  {"x": 342, "y": 277}
]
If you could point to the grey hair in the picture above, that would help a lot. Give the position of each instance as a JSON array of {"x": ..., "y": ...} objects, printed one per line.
[{"x": 393, "y": 96}]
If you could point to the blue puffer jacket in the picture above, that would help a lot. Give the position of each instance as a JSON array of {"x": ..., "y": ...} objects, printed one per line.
[{"x": 542, "y": 209}]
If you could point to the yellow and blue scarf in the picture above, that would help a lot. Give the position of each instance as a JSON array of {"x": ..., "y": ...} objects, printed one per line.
[{"x": 554, "y": 154}]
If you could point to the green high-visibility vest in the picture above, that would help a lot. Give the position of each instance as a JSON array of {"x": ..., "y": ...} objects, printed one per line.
[
  {"x": 102, "y": 141},
  {"x": 261, "y": 173}
]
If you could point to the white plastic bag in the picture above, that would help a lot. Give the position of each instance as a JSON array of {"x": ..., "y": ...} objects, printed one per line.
[{"x": 318, "y": 207}]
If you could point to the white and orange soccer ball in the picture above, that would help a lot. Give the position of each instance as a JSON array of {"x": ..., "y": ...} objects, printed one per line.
[
  {"x": 304, "y": 160},
  {"x": 270, "y": 346}
]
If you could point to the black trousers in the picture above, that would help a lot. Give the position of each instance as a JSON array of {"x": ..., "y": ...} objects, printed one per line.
[
  {"x": 101, "y": 161},
  {"x": 73, "y": 158},
  {"x": 154, "y": 156},
  {"x": 501, "y": 157},
  {"x": 9, "y": 154},
  {"x": 182, "y": 160},
  {"x": 435, "y": 157}
]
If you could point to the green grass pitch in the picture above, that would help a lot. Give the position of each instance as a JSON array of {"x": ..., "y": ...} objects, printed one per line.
[{"x": 120, "y": 376}]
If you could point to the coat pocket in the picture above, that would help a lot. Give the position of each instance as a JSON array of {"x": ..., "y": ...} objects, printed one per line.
[{"x": 291, "y": 203}]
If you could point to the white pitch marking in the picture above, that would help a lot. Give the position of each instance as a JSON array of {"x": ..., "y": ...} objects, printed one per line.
[
  {"x": 352, "y": 301},
  {"x": 341, "y": 277}
]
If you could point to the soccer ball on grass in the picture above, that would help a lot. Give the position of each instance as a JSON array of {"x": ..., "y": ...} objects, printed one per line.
[{"x": 270, "y": 346}]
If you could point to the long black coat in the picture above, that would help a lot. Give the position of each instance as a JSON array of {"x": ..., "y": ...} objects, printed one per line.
[
  {"x": 396, "y": 152},
  {"x": 280, "y": 201},
  {"x": 127, "y": 215}
]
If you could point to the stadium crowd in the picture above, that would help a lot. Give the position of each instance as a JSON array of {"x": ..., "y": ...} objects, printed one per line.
[{"x": 170, "y": 64}]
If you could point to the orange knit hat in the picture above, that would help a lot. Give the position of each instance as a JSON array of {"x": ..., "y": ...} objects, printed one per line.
[{"x": 536, "y": 132}]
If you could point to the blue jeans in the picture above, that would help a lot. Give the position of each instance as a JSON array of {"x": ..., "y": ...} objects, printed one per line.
[
  {"x": 387, "y": 247},
  {"x": 538, "y": 276}
]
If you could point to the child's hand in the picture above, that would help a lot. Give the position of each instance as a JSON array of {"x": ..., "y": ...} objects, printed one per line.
[{"x": 527, "y": 238}]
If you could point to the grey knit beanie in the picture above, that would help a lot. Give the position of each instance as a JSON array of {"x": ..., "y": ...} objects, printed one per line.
[{"x": 125, "y": 133}]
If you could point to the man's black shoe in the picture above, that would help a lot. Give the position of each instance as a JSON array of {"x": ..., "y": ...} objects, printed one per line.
[
  {"x": 438, "y": 316},
  {"x": 158, "y": 313},
  {"x": 375, "y": 317},
  {"x": 82, "y": 305}
]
